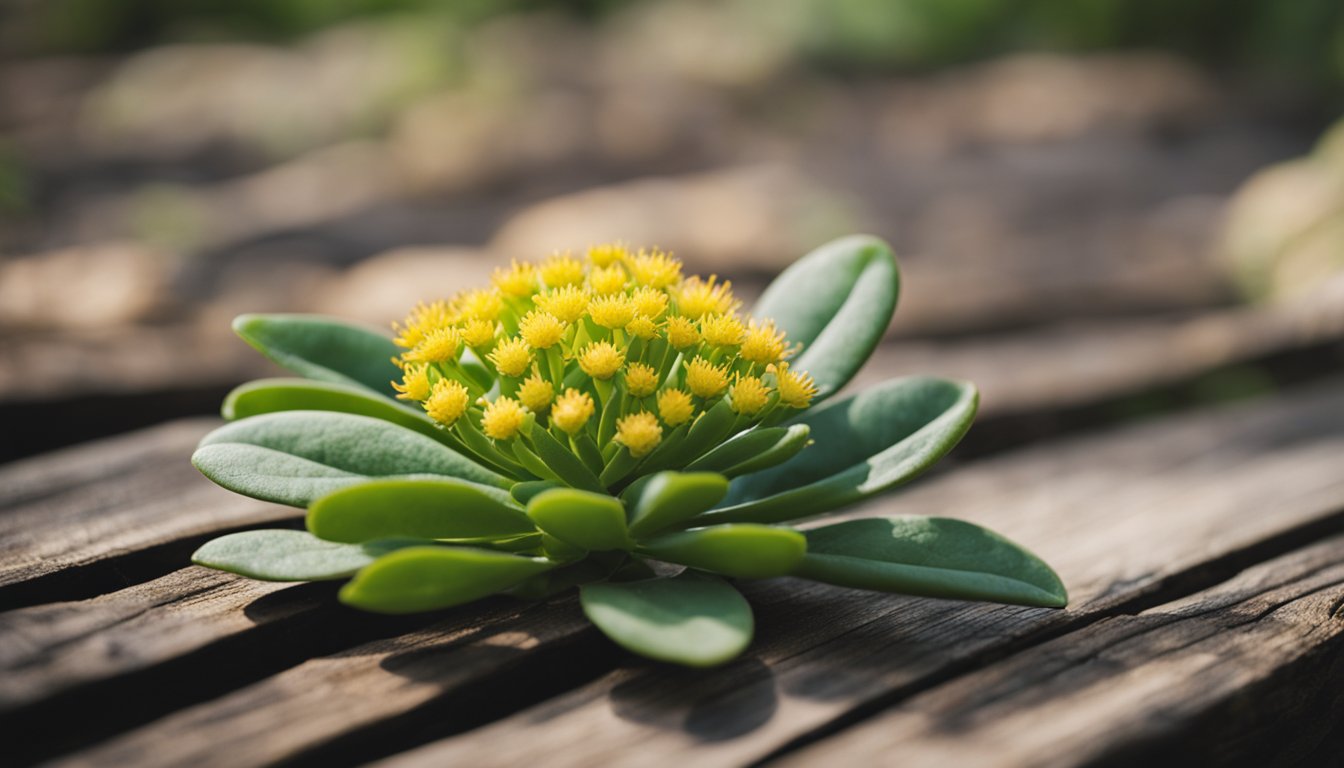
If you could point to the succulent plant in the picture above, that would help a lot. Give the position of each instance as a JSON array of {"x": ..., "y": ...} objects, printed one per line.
[{"x": 610, "y": 424}]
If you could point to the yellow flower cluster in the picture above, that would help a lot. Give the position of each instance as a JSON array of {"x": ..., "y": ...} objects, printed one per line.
[{"x": 614, "y": 353}]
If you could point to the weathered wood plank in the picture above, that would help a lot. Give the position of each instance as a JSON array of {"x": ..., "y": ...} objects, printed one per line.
[
  {"x": 126, "y": 501},
  {"x": 1247, "y": 672},
  {"x": 1126, "y": 516}
]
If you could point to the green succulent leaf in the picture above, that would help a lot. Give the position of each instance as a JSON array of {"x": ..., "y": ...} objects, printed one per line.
[
  {"x": 692, "y": 619},
  {"x": 838, "y": 301},
  {"x": 273, "y": 395},
  {"x": 293, "y": 457},
  {"x": 427, "y": 578},
  {"x": 743, "y": 551},
  {"x": 590, "y": 521},
  {"x": 526, "y": 491},
  {"x": 932, "y": 557},
  {"x": 866, "y": 444},
  {"x": 668, "y": 498},
  {"x": 284, "y": 555},
  {"x": 323, "y": 348},
  {"x": 426, "y": 509},
  {"x": 754, "y": 450},
  {"x": 567, "y": 466}
]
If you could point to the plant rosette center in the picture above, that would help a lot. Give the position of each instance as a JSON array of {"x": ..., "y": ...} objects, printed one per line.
[{"x": 583, "y": 419}]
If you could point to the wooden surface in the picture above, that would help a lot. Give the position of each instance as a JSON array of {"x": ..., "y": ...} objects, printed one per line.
[{"x": 1202, "y": 551}]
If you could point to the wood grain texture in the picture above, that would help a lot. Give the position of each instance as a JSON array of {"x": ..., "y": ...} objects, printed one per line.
[
  {"x": 1246, "y": 672},
  {"x": 121, "y": 499},
  {"x": 1128, "y": 518}
]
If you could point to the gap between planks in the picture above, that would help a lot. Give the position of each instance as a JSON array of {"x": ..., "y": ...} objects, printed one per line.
[{"x": 1179, "y": 495}]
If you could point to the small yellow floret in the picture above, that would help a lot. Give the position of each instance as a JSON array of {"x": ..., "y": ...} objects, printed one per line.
[
  {"x": 503, "y": 418},
  {"x": 655, "y": 269},
  {"x": 414, "y": 384},
  {"x": 697, "y": 297},
  {"x": 447, "y": 402},
  {"x": 561, "y": 269},
  {"x": 641, "y": 379},
  {"x": 639, "y": 432},
  {"x": 479, "y": 333},
  {"x": 681, "y": 332},
  {"x": 479, "y": 304},
  {"x": 763, "y": 343},
  {"x": 572, "y": 410},
  {"x": 642, "y": 327},
  {"x": 675, "y": 407},
  {"x": 536, "y": 393},
  {"x": 440, "y": 346},
  {"x": 796, "y": 388},
  {"x": 611, "y": 311},
  {"x": 705, "y": 379},
  {"x": 567, "y": 304},
  {"x": 748, "y": 395},
  {"x": 606, "y": 254},
  {"x": 649, "y": 302},
  {"x": 601, "y": 360},
  {"x": 512, "y": 357},
  {"x": 421, "y": 321},
  {"x": 608, "y": 280},
  {"x": 722, "y": 330},
  {"x": 519, "y": 280},
  {"x": 541, "y": 330}
]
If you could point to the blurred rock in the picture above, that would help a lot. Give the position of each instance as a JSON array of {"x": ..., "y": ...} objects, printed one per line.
[
  {"x": 87, "y": 287},
  {"x": 755, "y": 218},
  {"x": 384, "y": 288}
]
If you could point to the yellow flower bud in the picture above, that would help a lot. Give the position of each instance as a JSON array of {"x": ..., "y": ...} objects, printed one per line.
[
  {"x": 649, "y": 302},
  {"x": 503, "y": 418},
  {"x": 642, "y": 327},
  {"x": 722, "y": 330},
  {"x": 639, "y": 432},
  {"x": 512, "y": 357},
  {"x": 414, "y": 384},
  {"x": 697, "y": 298},
  {"x": 611, "y": 311},
  {"x": 541, "y": 330},
  {"x": 479, "y": 304},
  {"x": 655, "y": 269},
  {"x": 561, "y": 269},
  {"x": 608, "y": 280},
  {"x": 705, "y": 379},
  {"x": 519, "y": 280},
  {"x": 479, "y": 333},
  {"x": 796, "y": 388},
  {"x": 748, "y": 395},
  {"x": 422, "y": 320},
  {"x": 441, "y": 346},
  {"x": 567, "y": 304},
  {"x": 675, "y": 407},
  {"x": 681, "y": 332},
  {"x": 536, "y": 393},
  {"x": 447, "y": 402},
  {"x": 641, "y": 379},
  {"x": 601, "y": 360},
  {"x": 607, "y": 254},
  {"x": 572, "y": 410},
  {"x": 763, "y": 343}
]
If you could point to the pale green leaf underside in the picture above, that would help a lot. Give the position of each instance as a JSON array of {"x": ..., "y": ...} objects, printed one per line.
[
  {"x": 428, "y": 578},
  {"x": 692, "y": 619},
  {"x": 323, "y": 348},
  {"x": 273, "y": 395},
  {"x": 427, "y": 509},
  {"x": 283, "y": 555},
  {"x": 743, "y": 551},
  {"x": 932, "y": 557}
]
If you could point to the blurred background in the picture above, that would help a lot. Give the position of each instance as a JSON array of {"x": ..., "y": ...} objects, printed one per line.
[{"x": 1104, "y": 208}]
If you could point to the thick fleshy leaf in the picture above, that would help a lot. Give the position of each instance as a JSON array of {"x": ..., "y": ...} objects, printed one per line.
[
  {"x": 865, "y": 444},
  {"x": 668, "y": 498},
  {"x": 692, "y": 619},
  {"x": 590, "y": 521},
  {"x": 292, "y": 457},
  {"x": 930, "y": 556},
  {"x": 427, "y": 578},
  {"x": 838, "y": 301},
  {"x": 273, "y": 395},
  {"x": 426, "y": 509},
  {"x": 323, "y": 348},
  {"x": 755, "y": 450},
  {"x": 562, "y": 461},
  {"x": 707, "y": 431},
  {"x": 743, "y": 551},
  {"x": 284, "y": 555}
]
